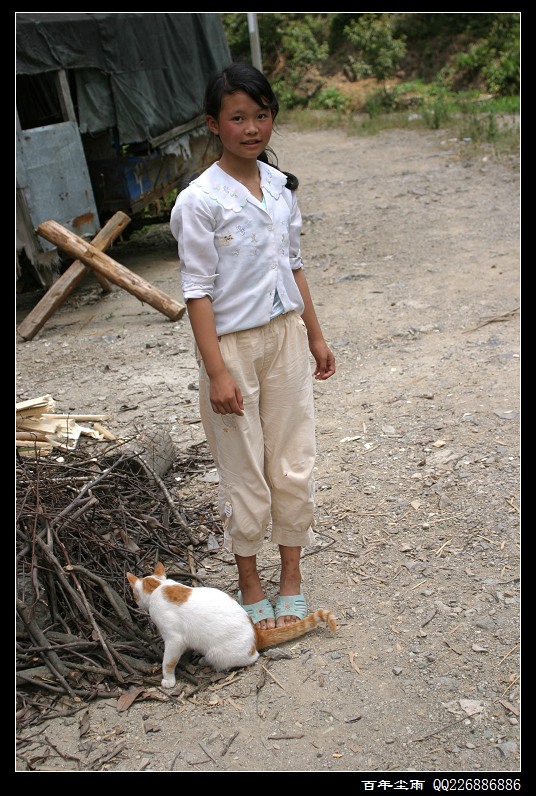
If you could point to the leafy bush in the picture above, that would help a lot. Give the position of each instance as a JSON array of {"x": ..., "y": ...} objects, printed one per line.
[
  {"x": 377, "y": 51},
  {"x": 329, "y": 99},
  {"x": 380, "y": 101},
  {"x": 495, "y": 58},
  {"x": 304, "y": 42}
]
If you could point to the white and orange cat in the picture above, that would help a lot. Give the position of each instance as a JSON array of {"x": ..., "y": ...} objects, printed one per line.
[{"x": 210, "y": 622}]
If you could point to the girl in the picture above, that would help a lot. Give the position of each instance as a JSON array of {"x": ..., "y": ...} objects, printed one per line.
[{"x": 238, "y": 231}]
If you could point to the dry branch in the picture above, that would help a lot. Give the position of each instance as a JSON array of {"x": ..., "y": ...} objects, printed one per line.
[
  {"x": 82, "y": 522},
  {"x": 504, "y": 316}
]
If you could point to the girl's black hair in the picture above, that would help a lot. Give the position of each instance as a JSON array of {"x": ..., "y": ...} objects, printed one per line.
[
  {"x": 239, "y": 77},
  {"x": 250, "y": 80}
]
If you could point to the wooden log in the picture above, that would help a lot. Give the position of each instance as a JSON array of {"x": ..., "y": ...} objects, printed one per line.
[
  {"x": 112, "y": 270},
  {"x": 39, "y": 315},
  {"x": 30, "y": 436}
]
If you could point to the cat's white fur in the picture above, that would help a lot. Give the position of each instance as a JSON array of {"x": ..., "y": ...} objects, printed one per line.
[{"x": 209, "y": 622}]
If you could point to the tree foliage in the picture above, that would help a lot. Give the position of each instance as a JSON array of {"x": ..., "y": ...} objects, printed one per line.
[
  {"x": 377, "y": 51},
  {"x": 454, "y": 50}
]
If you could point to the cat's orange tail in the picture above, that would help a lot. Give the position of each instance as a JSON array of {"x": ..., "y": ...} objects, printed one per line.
[{"x": 277, "y": 635}]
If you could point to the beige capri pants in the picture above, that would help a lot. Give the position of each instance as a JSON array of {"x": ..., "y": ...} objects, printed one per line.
[{"x": 265, "y": 458}]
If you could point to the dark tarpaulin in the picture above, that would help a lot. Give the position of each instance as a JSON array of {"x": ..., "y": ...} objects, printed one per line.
[{"x": 142, "y": 72}]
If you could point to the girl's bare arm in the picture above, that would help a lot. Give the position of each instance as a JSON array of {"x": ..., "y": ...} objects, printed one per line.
[
  {"x": 225, "y": 395},
  {"x": 324, "y": 357}
]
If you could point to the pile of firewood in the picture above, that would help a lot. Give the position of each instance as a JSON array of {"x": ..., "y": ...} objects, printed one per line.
[{"x": 85, "y": 518}]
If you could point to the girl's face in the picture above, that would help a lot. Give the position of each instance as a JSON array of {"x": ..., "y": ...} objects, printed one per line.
[{"x": 243, "y": 126}]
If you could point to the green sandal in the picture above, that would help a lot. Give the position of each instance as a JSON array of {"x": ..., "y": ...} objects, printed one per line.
[
  {"x": 257, "y": 611},
  {"x": 293, "y": 605}
]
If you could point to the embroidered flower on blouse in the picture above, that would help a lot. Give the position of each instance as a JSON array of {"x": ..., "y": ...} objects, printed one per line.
[
  {"x": 243, "y": 228},
  {"x": 223, "y": 240}
]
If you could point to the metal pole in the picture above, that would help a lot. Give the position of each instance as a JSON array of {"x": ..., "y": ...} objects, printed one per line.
[{"x": 254, "y": 41}]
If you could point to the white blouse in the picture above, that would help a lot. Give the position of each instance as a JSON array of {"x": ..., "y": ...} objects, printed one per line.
[{"x": 234, "y": 250}]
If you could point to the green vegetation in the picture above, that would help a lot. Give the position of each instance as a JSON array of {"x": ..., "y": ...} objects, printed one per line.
[
  {"x": 378, "y": 52},
  {"x": 370, "y": 71}
]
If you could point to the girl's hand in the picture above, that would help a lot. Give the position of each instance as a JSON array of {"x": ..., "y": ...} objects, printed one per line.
[
  {"x": 325, "y": 361},
  {"x": 225, "y": 395}
]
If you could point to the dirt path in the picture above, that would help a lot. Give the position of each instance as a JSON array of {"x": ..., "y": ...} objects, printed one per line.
[{"x": 411, "y": 243}]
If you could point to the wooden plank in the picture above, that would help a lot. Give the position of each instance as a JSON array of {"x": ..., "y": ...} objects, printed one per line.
[
  {"x": 65, "y": 284},
  {"x": 64, "y": 96},
  {"x": 115, "y": 272},
  {"x": 36, "y": 406},
  {"x": 30, "y": 436}
]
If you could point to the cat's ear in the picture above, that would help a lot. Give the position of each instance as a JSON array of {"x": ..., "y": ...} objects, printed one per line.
[
  {"x": 132, "y": 579},
  {"x": 159, "y": 570}
]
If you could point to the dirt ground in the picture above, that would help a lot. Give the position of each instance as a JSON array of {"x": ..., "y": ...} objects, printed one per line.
[{"x": 411, "y": 244}]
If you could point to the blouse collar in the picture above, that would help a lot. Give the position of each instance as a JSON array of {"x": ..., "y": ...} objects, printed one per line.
[{"x": 231, "y": 194}]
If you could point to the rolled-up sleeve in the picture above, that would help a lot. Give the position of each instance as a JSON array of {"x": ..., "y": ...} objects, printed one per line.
[{"x": 192, "y": 226}]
